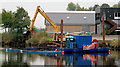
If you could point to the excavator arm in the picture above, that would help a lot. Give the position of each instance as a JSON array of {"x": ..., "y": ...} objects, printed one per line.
[
  {"x": 45, "y": 16},
  {"x": 33, "y": 20}
]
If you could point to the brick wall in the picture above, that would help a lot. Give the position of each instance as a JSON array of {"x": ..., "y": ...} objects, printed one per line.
[{"x": 69, "y": 28}]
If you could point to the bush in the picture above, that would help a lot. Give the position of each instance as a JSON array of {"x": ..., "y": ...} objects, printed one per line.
[
  {"x": 41, "y": 37},
  {"x": 8, "y": 37},
  {"x": 115, "y": 43},
  {"x": 13, "y": 39}
]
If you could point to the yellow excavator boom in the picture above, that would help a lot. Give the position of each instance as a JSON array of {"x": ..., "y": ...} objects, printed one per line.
[{"x": 45, "y": 16}]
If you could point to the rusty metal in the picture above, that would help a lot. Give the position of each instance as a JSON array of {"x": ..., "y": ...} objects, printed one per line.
[
  {"x": 112, "y": 28},
  {"x": 61, "y": 32},
  {"x": 103, "y": 25}
]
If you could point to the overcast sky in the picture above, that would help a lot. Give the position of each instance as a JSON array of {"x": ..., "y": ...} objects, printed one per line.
[{"x": 48, "y": 5}]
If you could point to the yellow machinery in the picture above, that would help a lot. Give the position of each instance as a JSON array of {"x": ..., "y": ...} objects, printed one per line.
[{"x": 46, "y": 17}]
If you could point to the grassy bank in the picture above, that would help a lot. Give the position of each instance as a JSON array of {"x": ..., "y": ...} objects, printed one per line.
[
  {"x": 9, "y": 40},
  {"x": 111, "y": 43},
  {"x": 115, "y": 44}
]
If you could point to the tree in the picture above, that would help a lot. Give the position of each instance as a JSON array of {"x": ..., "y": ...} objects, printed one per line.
[
  {"x": 0, "y": 18},
  {"x": 34, "y": 29},
  {"x": 104, "y": 5},
  {"x": 119, "y": 4},
  {"x": 116, "y": 5},
  {"x": 95, "y": 6},
  {"x": 8, "y": 37},
  {"x": 22, "y": 20},
  {"x": 90, "y": 8},
  {"x": 7, "y": 18},
  {"x": 17, "y": 21},
  {"x": 71, "y": 6},
  {"x": 78, "y": 8},
  {"x": 83, "y": 9}
]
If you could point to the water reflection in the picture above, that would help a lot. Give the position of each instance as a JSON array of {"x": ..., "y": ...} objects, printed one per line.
[
  {"x": 26, "y": 59},
  {"x": 13, "y": 60}
]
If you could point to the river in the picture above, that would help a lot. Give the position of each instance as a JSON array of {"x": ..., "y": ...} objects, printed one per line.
[{"x": 28, "y": 60}]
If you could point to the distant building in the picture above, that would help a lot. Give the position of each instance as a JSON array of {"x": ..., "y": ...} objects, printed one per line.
[
  {"x": 111, "y": 16},
  {"x": 73, "y": 21}
]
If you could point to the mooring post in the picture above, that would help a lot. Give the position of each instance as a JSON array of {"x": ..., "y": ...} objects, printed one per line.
[
  {"x": 103, "y": 61},
  {"x": 103, "y": 25},
  {"x": 61, "y": 33}
]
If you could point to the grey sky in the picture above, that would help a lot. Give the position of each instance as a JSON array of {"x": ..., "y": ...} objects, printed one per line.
[{"x": 48, "y": 5}]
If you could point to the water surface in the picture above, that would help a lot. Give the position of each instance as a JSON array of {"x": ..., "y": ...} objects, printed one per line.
[{"x": 28, "y": 60}]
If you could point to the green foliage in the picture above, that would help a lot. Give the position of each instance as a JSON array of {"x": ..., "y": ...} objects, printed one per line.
[
  {"x": 95, "y": 6},
  {"x": 34, "y": 29},
  {"x": 76, "y": 7},
  {"x": 22, "y": 20},
  {"x": 90, "y": 8},
  {"x": 50, "y": 39},
  {"x": 108, "y": 28},
  {"x": 8, "y": 37},
  {"x": 119, "y": 4},
  {"x": 105, "y": 5},
  {"x": 116, "y": 5},
  {"x": 83, "y": 9},
  {"x": 41, "y": 37},
  {"x": 12, "y": 37},
  {"x": 7, "y": 18},
  {"x": 0, "y": 18},
  {"x": 16, "y": 21},
  {"x": 19, "y": 20},
  {"x": 115, "y": 43},
  {"x": 71, "y": 6},
  {"x": 19, "y": 38}
]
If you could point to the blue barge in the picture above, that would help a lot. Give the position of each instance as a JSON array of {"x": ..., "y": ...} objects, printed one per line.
[
  {"x": 61, "y": 51},
  {"x": 76, "y": 50},
  {"x": 31, "y": 51},
  {"x": 74, "y": 44},
  {"x": 82, "y": 44}
]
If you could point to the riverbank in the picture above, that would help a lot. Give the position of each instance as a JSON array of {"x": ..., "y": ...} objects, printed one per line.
[{"x": 112, "y": 44}]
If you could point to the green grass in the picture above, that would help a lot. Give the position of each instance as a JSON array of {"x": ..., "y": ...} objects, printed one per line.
[
  {"x": 115, "y": 43},
  {"x": 41, "y": 37},
  {"x": 50, "y": 39}
]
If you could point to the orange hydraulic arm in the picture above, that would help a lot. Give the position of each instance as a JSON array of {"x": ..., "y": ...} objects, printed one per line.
[{"x": 45, "y": 16}]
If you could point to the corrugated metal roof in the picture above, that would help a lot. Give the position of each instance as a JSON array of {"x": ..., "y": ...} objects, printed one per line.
[
  {"x": 72, "y": 17},
  {"x": 70, "y": 11}
]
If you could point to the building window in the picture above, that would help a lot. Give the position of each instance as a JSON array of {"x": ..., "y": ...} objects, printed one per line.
[{"x": 117, "y": 15}]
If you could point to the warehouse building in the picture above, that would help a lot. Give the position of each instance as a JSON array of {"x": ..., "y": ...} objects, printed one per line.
[{"x": 73, "y": 21}]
